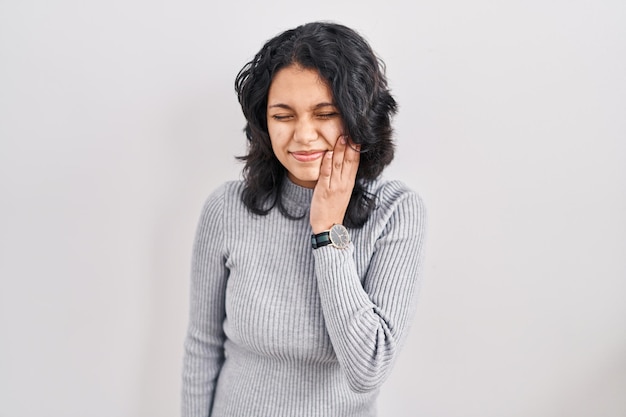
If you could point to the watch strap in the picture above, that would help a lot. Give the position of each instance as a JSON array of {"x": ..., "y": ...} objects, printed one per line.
[{"x": 320, "y": 239}]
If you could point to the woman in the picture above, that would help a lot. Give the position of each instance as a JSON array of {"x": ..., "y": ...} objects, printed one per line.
[{"x": 304, "y": 274}]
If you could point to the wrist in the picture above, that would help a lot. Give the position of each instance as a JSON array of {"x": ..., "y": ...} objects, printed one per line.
[
  {"x": 336, "y": 236},
  {"x": 319, "y": 227},
  {"x": 317, "y": 230}
]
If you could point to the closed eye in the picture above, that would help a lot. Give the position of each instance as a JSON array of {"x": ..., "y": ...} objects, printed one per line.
[
  {"x": 327, "y": 115},
  {"x": 281, "y": 117}
]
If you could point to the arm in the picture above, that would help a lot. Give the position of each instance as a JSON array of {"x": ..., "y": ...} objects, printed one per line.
[
  {"x": 367, "y": 322},
  {"x": 204, "y": 353}
]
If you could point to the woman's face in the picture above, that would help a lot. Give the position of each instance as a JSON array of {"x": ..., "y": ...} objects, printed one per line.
[{"x": 303, "y": 122}]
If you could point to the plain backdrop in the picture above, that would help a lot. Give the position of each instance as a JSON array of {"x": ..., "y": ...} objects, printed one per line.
[{"x": 118, "y": 118}]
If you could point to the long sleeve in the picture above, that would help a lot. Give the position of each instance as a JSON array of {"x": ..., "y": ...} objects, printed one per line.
[
  {"x": 367, "y": 317},
  {"x": 204, "y": 343},
  {"x": 279, "y": 329}
]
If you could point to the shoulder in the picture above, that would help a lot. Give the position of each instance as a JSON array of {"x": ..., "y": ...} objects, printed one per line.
[
  {"x": 229, "y": 188},
  {"x": 398, "y": 207},
  {"x": 390, "y": 194},
  {"x": 220, "y": 199},
  {"x": 224, "y": 193}
]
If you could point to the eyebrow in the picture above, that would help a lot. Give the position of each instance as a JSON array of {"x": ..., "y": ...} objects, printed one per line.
[{"x": 287, "y": 107}]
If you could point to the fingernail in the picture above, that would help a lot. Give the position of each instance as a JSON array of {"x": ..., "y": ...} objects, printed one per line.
[
  {"x": 329, "y": 154},
  {"x": 343, "y": 140}
]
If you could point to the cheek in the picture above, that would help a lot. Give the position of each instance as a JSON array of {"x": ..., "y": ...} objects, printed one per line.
[
  {"x": 278, "y": 136},
  {"x": 332, "y": 131}
]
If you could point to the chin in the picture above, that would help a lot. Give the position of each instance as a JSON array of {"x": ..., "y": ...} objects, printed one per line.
[{"x": 304, "y": 179}]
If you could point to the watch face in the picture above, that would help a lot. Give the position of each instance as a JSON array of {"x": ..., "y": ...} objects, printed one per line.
[{"x": 339, "y": 236}]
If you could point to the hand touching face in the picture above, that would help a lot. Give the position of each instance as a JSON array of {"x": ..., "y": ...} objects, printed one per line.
[
  {"x": 334, "y": 188},
  {"x": 307, "y": 135},
  {"x": 303, "y": 122}
]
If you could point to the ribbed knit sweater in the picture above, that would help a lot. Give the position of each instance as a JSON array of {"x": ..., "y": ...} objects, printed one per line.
[{"x": 278, "y": 329}]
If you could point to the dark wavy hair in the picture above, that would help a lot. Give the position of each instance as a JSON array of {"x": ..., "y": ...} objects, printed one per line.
[{"x": 356, "y": 77}]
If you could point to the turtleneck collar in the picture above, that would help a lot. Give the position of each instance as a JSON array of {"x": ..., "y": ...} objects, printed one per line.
[{"x": 296, "y": 195}]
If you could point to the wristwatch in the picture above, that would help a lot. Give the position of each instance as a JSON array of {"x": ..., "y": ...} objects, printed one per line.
[{"x": 337, "y": 236}]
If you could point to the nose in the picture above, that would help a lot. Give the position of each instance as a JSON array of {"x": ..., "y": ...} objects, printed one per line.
[{"x": 305, "y": 131}]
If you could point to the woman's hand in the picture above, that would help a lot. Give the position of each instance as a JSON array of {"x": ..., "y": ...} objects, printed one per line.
[{"x": 334, "y": 186}]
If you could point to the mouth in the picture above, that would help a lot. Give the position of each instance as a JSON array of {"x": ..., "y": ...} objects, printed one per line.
[{"x": 307, "y": 156}]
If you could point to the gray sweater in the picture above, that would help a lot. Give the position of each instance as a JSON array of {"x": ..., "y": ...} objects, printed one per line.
[{"x": 278, "y": 329}]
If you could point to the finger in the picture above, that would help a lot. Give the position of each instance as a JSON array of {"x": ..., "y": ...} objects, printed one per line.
[
  {"x": 352, "y": 156},
  {"x": 338, "y": 156},
  {"x": 326, "y": 169}
]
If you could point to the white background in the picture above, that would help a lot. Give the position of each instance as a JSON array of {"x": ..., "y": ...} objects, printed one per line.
[{"x": 118, "y": 118}]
